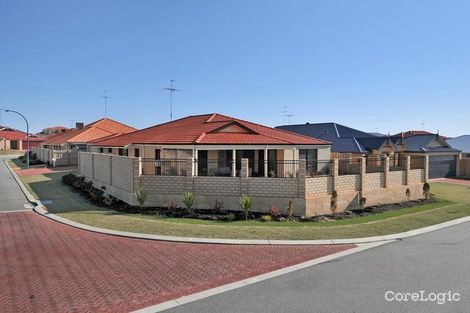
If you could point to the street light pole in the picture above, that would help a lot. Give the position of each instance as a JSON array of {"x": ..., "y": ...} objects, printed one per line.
[{"x": 27, "y": 134}]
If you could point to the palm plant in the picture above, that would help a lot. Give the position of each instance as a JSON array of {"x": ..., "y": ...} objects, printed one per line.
[{"x": 246, "y": 204}]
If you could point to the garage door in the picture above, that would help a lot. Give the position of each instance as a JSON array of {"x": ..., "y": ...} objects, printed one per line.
[{"x": 442, "y": 166}]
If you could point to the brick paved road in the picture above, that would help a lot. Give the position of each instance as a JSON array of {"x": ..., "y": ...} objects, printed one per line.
[{"x": 49, "y": 267}]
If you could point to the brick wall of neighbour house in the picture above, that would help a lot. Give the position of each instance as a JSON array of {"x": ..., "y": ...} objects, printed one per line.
[
  {"x": 56, "y": 158},
  {"x": 310, "y": 195},
  {"x": 4, "y": 144},
  {"x": 465, "y": 168}
]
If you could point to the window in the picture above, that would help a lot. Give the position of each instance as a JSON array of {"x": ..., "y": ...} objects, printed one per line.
[
  {"x": 110, "y": 150},
  {"x": 122, "y": 151},
  {"x": 100, "y": 150},
  {"x": 136, "y": 152},
  {"x": 158, "y": 154}
]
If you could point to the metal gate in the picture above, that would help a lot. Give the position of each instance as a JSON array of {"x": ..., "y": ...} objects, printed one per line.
[{"x": 442, "y": 166}]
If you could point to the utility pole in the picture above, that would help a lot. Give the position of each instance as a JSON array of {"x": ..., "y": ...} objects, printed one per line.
[
  {"x": 106, "y": 97},
  {"x": 171, "y": 89},
  {"x": 27, "y": 134}
]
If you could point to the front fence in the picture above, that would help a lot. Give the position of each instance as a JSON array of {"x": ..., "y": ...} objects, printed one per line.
[
  {"x": 349, "y": 166},
  {"x": 164, "y": 167}
]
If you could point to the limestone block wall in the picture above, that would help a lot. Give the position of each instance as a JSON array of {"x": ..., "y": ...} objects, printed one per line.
[
  {"x": 374, "y": 181},
  {"x": 320, "y": 185},
  {"x": 348, "y": 183},
  {"x": 397, "y": 178}
]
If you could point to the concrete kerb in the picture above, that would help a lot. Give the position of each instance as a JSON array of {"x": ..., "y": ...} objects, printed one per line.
[{"x": 42, "y": 210}]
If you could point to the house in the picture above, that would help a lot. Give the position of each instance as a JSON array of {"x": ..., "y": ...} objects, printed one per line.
[
  {"x": 11, "y": 140},
  {"x": 80, "y": 137},
  {"x": 48, "y": 131},
  {"x": 461, "y": 143},
  {"x": 218, "y": 143},
  {"x": 442, "y": 157},
  {"x": 219, "y": 159},
  {"x": 345, "y": 140}
]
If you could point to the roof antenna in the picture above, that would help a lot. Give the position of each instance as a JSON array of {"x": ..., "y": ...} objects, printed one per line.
[
  {"x": 422, "y": 125},
  {"x": 284, "y": 114},
  {"x": 106, "y": 97},
  {"x": 171, "y": 89},
  {"x": 288, "y": 118}
]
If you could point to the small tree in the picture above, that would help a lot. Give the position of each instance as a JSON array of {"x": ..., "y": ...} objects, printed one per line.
[
  {"x": 334, "y": 201},
  {"x": 362, "y": 202},
  {"x": 426, "y": 190},
  {"x": 246, "y": 204},
  {"x": 290, "y": 209},
  {"x": 189, "y": 201},
  {"x": 140, "y": 195}
]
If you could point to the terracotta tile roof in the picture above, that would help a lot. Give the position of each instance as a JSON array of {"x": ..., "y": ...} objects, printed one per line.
[
  {"x": 102, "y": 128},
  {"x": 12, "y": 135},
  {"x": 210, "y": 129}
]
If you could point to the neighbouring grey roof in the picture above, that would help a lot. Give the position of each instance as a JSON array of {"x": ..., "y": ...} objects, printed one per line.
[
  {"x": 420, "y": 143},
  {"x": 344, "y": 139},
  {"x": 375, "y": 134},
  {"x": 461, "y": 143}
]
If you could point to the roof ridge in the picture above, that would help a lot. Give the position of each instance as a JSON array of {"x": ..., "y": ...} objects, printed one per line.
[{"x": 200, "y": 137}]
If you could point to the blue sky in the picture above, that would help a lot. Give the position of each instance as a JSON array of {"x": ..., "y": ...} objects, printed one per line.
[{"x": 375, "y": 65}]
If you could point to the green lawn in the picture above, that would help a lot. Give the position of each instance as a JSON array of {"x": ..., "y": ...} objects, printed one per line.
[
  {"x": 454, "y": 203},
  {"x": 11, "y": 152}
]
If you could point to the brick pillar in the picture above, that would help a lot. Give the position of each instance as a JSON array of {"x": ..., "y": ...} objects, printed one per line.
[
  {"x": 335, "y": 171},
  {"x": 363, "y": 173},
  {"x": 265, "y": 162},
  {"x": 189, "y": 175},
  {"x": 93, "y": 166},
  {"x": 386, "y": 171},
  {"x": 457, "y": 165},
  {"x": 301, "y": 173},
  {"x": 234, "y": 163},
  {"x": 244, "y": 177},
  {"x": 408, "y": 169},
  {"x": 426, "y": 168}
]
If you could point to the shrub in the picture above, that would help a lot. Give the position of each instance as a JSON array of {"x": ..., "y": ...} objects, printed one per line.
[
  {"x": 290, "y": 209},
  {"x": 140, "y": 195},
  {"x": 408, "y": 194},
  {"x": 266, "y": 218},
  {"x": 109, "y": 200},
  {"x": 334, "y": 201},
  {"x": 189, "y": 200},
  {"x": 426, "y": 190},
  {"x": 218, "y": 205},
  {"x": 68, "y": 179},
  {"x": 96, "y": 195},
  {"x": 230, "y": 217},
  {"x": 246, "y": 204},
  {"x": 274, "y": 212}
]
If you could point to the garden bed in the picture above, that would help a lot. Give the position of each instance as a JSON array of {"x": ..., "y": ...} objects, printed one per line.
[{"x": 217, "y": 213}]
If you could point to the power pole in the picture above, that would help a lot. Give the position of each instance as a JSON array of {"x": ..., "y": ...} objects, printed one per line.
[
  {"x": 171, "y": 89},
  {"x": 106, "y": 97},
  {"x": 288, "y": 118}
]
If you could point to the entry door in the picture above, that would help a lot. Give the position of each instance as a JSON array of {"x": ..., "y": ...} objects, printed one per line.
[{"x": 202, "y": 162}]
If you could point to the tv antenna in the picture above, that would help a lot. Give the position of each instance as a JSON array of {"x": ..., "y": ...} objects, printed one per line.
[
  {"x": 288, "y": 118},
  {"x": 284, "y": 114},
  {"x": 422, "y": 125},
  {"x": 171, "y": 89},
  {"x": 106, "y": 97}
]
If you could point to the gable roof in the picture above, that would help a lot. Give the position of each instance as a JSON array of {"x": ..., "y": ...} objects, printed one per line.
[
  {"x": 102, "y": 128},
  {"x": 210, "y": 129},
  {"x": 461, "y": 143}
]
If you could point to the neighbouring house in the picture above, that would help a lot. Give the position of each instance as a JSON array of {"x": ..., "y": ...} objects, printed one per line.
[
  {"x": 442, "y": 157},
  {"x": 12, "y": 140},
  {"x": 82, "y": 135},
  {"x": 346, "y": 141},
  {"x": 48, "y": 131},
  {"x": 61, "y": 149},
  {"x": 461, "y": 143},
  {"x": 220, "y": 158}
]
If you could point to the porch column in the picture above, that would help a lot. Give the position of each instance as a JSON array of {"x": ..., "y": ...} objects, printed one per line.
[
  {"x": 408, "y": 169},
  {"x": 293, "y": 163},
  {"x": 195, "y": 162},
  {"x": 265, "y": 163},
  {"x": 387, "y": 172},
  {"x": 426, "y": 168},
  {"x": 234, "y": 162}
]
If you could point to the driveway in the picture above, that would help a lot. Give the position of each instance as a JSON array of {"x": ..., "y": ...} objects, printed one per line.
[
  {"x": 46, "y": 266},
  {"x": 436, "y": 262},
  {"x": 11, "y": 196}
]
